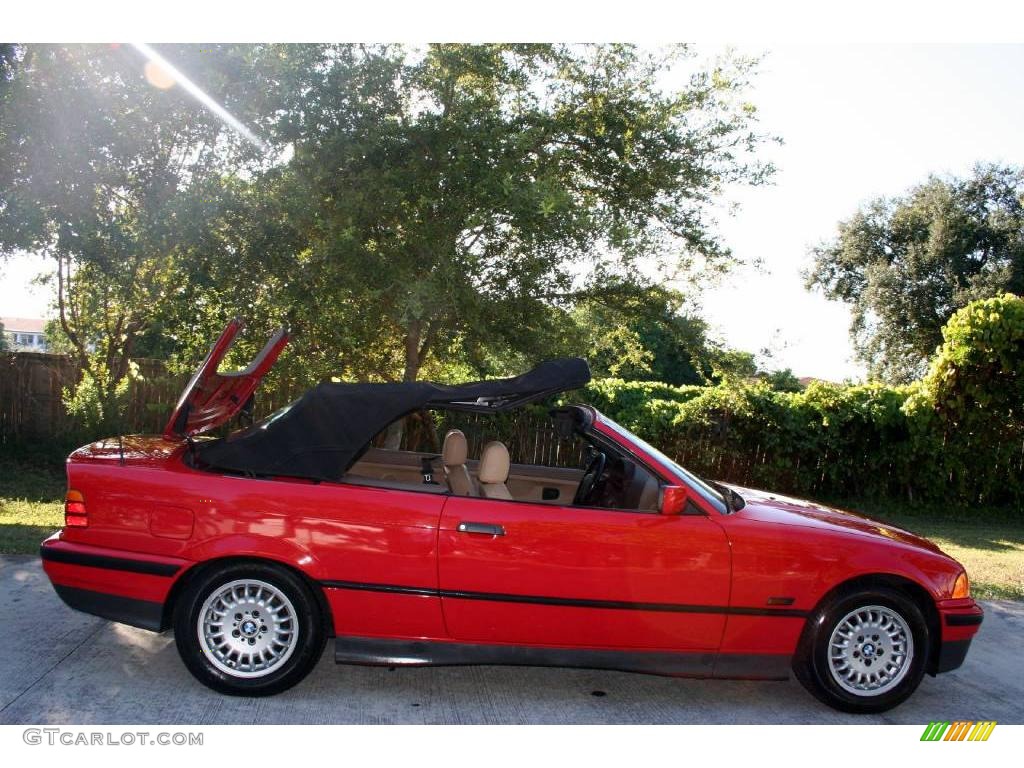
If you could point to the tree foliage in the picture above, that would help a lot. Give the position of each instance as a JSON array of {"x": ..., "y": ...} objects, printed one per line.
[
  {"x": 643, "y": 332},
  {"x": 972, "y": 400},
  {"x": 111, "y": 179},
  {"x": 422, "y": 211},
  {"x": 455, "y": 203},
  {"x": 905, "y": 265}
]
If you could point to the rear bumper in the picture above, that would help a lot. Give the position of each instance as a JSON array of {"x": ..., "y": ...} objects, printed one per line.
[
  {"x": 126, "y": 610},
  {"x": 127, "y": 587}
]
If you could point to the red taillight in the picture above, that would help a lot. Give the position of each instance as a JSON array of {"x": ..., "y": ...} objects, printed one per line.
[{"x": 74, "y": 510}]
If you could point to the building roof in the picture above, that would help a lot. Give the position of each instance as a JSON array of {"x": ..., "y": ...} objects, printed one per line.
[{"x": 23, "y": 324}]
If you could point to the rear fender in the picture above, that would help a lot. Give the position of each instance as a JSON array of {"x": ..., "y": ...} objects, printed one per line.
[
  {"x": 261, "y": 547},
  {"x": 241, "y": 547}
]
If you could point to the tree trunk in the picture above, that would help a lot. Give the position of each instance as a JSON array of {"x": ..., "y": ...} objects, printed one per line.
[
  {"x": 412, "y": 350},
  {"x": 393, "y": 439}
]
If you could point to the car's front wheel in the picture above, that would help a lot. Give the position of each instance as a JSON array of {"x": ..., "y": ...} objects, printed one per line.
[
  {"x": 249, "y": 629},
  {"x": 864, "y": 652}
]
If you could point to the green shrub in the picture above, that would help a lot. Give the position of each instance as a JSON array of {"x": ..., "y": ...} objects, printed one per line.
[
  {"x": 956, "y": 436},
  {"x": 971, "y": 402},
  {"x": 97, "y": 403}
]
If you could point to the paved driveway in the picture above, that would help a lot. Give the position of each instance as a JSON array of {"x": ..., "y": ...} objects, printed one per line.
[{"x": 62, "y": 667}]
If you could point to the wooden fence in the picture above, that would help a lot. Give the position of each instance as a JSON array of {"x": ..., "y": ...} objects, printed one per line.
[
  {"x": 31, "y": 396},
  {"x": 32, "y": 407},
  {"x": 32, "y": 410}
]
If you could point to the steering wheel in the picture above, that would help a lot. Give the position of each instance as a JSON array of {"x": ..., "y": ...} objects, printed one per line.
[{"x": 591, "y": 475}]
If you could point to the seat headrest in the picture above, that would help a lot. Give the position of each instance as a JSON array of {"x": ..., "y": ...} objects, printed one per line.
[
  {"x": 455, "y": 449},
  {"x": 494, "y": 463}
]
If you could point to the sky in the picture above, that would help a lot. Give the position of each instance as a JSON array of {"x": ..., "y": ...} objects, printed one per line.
[{"x": 857, "y": 122}]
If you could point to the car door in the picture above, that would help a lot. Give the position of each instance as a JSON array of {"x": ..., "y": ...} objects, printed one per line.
[
  {"x": 373, "y": 550},
  {"x": 528, "y": 573}
]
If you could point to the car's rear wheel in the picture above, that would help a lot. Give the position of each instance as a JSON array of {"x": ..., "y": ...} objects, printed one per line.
[
  {"x": 249, "y": 629},
  {"x": 864, "y": 651}
]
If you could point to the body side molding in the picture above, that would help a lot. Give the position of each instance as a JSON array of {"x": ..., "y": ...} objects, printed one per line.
[
  {"x": 135, "y": 564},
  {"x": 573, "y": 602}
]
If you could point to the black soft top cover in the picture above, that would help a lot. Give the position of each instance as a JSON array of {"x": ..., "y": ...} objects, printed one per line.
[{"x": 322, "y": 433}]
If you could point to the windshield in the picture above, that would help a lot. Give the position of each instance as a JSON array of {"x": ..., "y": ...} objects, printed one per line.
[{"x": 705, "y": 489}]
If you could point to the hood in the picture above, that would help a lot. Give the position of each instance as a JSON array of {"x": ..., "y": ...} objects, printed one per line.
[
  {"x": 785, "y": 510},
  {"x": 213, "y": 398}
]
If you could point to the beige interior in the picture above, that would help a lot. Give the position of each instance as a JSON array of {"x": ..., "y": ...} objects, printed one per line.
[
  {"x": 389, "y": 465},
  {"x": 453, "y": 456},
  {"x": 493, "y": 471},
  {"x": 524, "y": 482}
]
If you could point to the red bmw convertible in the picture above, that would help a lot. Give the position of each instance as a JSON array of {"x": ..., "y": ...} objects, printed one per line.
[{"x": 417, "y": 523}]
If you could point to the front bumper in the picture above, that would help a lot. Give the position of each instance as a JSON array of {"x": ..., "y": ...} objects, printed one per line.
[
  {"x": 959, "y": 623},
  {"x": 951, "y": 655}
]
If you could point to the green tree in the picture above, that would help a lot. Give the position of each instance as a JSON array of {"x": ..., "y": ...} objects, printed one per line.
[
  {"x": 455, "y": 203},
  {"x": 439, "y": 211},
  {"x": 905, "y": 265},
  {"x": 110, "y": 177},
  {"x": 733, "y": 365},
  {"x": 640, "y": 332},
  {"x": 971, "y": 402},
  {"x": 782, "y": 380}
]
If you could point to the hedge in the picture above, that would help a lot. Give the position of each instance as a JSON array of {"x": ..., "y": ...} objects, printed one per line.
[{"x": 955, "y": 436}]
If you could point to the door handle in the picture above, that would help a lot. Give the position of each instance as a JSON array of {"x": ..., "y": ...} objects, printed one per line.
[{"x": 486, "y": 528}]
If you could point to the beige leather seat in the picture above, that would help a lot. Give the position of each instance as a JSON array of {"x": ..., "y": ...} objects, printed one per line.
[
  {"x": 453, "y": 456},
  {"x": 494, "y": 467}
]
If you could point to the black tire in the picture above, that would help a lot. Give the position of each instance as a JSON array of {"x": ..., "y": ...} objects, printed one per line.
[
  {"x": 811, "y": 664},
  {"x": 308, "y": 623}
]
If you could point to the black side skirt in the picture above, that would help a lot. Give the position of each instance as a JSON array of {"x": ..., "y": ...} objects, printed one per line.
[
  {"x": 383, "y": 652},
  {"x": 137, "y": 613}
]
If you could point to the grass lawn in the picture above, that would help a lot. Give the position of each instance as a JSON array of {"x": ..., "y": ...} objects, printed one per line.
[
  {"x": 991, "y": 545},
  {"x": 31, "y": 504}
]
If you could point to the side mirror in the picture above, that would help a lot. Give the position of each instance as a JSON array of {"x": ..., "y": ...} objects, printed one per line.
[{"x": 673, "y": 500}]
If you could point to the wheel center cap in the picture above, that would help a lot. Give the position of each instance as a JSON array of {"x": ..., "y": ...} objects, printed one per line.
[
  {"x": 249, "y": 627},
  {"x": 869, "y": 649}
]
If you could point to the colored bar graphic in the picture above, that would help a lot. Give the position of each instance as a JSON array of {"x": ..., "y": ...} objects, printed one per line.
[
  {"x": 934, "y": 731},
  {"x": 982, "y": 731},
  {"x": 959, "y": 730}
]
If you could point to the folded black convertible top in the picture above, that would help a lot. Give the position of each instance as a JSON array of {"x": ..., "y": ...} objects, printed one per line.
[{"x": 322, "y": 433}]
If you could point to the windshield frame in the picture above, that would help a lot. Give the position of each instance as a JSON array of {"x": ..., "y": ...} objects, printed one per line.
[{"x": 698, "y": 485}]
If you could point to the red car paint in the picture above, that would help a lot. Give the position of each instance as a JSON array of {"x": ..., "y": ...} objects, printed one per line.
[
  {"x": 212, "y": 398},
  {"x": 152, "y": 507},
  {"x": 392, "y": 564}
]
